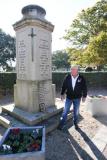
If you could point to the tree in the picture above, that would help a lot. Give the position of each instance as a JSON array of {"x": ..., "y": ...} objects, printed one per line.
[
  {"x": 88, "y": 24},
  {"x": 75, "y": 56},
  {"x": 60, "y": 60},
  {"x": 94, "y": 55},
  {"x": 87, "y": 35},
  {"x": 96, "y": 52},
  {"x": 7, "y": 51}
]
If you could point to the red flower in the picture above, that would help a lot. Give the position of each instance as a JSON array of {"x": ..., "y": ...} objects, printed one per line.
[
  {"x": 16, "y": 130},
  {"x": 35, "y": 145}
]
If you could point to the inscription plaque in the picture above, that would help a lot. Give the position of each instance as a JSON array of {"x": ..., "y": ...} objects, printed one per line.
[
  {"x": 45, "y": 59},
  {"x": 21, "y": 59}
]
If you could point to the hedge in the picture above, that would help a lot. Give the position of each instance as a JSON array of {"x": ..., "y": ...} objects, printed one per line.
[
  {"x": 7, "y": 81},
  {"x": 94, "y": 80}
]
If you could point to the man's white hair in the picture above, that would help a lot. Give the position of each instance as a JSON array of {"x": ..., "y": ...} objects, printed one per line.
[{"x": 75, "y": 66}]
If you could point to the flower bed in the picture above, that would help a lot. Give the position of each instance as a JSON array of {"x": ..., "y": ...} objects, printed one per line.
[{"x": 22, "y": 140}]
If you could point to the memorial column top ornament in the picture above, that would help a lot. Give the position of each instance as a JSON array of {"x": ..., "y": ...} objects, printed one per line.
[{"x": 32, "y": 13}]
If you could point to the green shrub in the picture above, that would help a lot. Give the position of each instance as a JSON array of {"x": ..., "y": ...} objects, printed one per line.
[
  {"x": 94, "y": 80},
  {"x": 7, "y": 81}
]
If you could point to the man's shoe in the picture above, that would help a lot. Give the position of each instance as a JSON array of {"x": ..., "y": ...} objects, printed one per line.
[{"x": 76, "y": 126}]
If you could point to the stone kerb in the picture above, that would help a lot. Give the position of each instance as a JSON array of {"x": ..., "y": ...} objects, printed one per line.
[{"x": 97, "y": 105}]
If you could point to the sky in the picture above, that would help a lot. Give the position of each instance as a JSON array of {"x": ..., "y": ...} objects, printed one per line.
[{"x": 59, "y": 12}]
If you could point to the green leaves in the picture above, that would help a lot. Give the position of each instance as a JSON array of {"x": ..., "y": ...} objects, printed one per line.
[
  {"x": 60, "y": 60},
  {"x": 88, "y": 24},
  {"x": 75, "y": 55},
  {"x": 96, "y": 52},
  {"x": 7, "y": 50},
  {"x": 88, "y": 38}
]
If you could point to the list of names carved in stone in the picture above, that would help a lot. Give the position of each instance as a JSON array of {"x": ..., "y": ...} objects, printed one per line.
[
  {"x": 45, "y": 61},
  {"x": 21, "y": 59},
  {"x": 34, "y": 93},
  {"x": 43, "y": 93}
]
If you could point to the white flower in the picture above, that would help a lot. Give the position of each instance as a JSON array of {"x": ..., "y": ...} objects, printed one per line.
[{"x": 6, "y": 147}]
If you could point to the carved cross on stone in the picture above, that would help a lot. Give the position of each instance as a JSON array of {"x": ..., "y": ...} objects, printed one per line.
[{"x": 32, "y": 35}]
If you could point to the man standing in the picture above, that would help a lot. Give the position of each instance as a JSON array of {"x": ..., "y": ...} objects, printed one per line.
[{"x": 74, "y": 85}]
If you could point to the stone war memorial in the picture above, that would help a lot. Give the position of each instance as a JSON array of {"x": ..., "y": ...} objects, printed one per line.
[
  {"x": 34, "y": 93},
  {"x": 34, "y": 90},
  {"x": 35, "y": 106}
]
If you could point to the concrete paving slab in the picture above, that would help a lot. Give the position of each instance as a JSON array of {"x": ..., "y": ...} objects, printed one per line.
[{"x": 97, "y": 145}]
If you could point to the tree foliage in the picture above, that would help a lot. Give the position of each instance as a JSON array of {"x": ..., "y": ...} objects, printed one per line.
[
  {"x": 7, "y": 50},
  {"x": 88, "y": 36},
  {"x": 60, "y": 60},
  {"x": 75, "y": 56},
  {"x": 96, "y": 52},
  {"x": 87, "y": 24}
]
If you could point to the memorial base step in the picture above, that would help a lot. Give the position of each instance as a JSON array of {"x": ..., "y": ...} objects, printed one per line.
[{"x": 50, "y": 123}]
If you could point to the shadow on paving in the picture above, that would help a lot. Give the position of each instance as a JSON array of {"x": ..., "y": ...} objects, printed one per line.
[
  {"x": 98, "y": 154},
  {"x": 8, "y": 99},
  {"x": 102, "y": 119},
  {"x": 60, "y": 145},
  {"x": 67, "y": 148},
  {"x": 81, "y": 152},
  {"x": 59, "y": 148},
  {"x": 75, "y": 145}
]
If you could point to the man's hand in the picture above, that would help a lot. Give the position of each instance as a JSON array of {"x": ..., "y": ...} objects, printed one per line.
[
  {"x": 83, "y": 99},
  {"x": 62, "y": 97}
]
